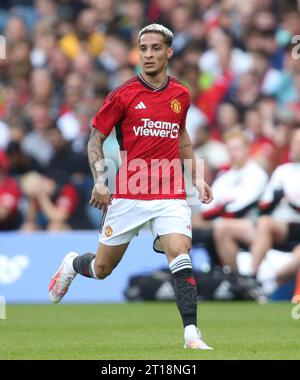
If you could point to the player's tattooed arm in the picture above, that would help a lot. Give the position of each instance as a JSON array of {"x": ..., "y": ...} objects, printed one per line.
[
  {"x": 182, "y": 146},
  {"x": 96, "y": 156},
  {"x": 100, "y": 197}
]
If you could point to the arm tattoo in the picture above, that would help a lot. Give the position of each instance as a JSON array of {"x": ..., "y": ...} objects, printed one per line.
[
  {"x": 185, "y": 146},
  {"x": 95, "y": 154}
]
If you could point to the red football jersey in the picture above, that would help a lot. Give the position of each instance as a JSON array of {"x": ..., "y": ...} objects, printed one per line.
[{"x": 147, "y": 121}]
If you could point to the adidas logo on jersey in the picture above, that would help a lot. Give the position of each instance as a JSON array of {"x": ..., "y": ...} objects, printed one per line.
[{"x": 140, "y": 106}]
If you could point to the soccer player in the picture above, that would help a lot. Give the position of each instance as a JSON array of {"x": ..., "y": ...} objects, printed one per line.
[{"x": 149, "y": 113}]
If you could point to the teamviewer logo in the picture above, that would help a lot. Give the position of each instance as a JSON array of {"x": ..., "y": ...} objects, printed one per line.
[
  {"x": 2, "y": 47},
  {"x": 2, "y": 308}
]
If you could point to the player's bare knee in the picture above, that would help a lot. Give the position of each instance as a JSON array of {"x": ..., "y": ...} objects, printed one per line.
[{"x": 175, "y": 251}]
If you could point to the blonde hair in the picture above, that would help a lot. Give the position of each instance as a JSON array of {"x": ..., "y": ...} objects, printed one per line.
[{"x": 157, "y": 28}]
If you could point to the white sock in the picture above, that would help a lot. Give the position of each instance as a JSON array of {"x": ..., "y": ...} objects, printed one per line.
[
  {"x": 180, "y": 262},
  {"x": 191, "y": 332},
  {"x": 92, "y": 265}
]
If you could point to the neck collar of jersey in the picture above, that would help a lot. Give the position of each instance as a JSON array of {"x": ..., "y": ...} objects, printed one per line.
[{"x": 152, "y": 88}]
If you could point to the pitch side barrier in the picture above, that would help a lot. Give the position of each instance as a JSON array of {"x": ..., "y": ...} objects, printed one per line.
[{"x": 28, "y": 261}]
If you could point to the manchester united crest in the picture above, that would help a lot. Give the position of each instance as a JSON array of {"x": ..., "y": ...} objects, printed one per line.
[
  {"x": 108, "y": 231},
  {"x": 176, "y": 106}
]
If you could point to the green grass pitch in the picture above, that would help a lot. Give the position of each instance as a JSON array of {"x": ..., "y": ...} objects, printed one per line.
[{"x": 148, "y": 331}]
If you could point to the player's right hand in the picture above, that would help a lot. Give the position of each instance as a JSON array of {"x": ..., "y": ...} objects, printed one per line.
[{"x": 100, "y": 197}]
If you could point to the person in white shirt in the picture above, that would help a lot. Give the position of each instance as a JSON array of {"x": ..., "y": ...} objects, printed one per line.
[
  {"x": 281, "y": 201},
  {"x": 236, "y": 194},
  {"x": 279, "y": 227}
]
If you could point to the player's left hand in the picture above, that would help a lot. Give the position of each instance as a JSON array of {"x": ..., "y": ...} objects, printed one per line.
[
  {"x": 100, "y": 197},
  {"x": 205, "y": 193}
]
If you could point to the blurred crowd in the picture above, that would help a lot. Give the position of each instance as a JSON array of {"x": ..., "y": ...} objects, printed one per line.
[{"x": 64, "y": 56}]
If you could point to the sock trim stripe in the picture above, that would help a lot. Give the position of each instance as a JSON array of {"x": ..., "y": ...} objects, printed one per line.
[
  {"x": 182, "y": 261},
  {"x": 186, "y": 263},
  {"x": 181, "y": 268},
  {"x": 182, "y": 256},
  {"x": 178, "y": 262}
]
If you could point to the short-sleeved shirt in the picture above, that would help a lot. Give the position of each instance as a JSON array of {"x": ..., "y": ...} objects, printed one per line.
[{"x": 148, "y": 122}]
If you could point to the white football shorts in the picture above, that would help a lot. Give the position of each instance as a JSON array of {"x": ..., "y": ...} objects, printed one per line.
[{"x": 125, "y": 218}]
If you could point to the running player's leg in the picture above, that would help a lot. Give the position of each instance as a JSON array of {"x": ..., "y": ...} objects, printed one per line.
[
  {"x": 119, "y": 225},
  {"x": 91, "y": 265},
  {"x": 101, "y": 264},
  {"x": 177, "y": 246}
]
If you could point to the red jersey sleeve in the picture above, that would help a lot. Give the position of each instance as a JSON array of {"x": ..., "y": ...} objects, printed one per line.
[{"x": 109, "y": 115}]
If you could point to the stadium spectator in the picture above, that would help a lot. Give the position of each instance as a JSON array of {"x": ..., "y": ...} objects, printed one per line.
[
  {"x": 19, "y": 162},
  {"x": 64, "y": 158},
  {"x": 222, "y": 54},
  {"x": 278, "y": 228},
  {"x": 74, "y": 94},
  {"x": 268, "y": 77},
  {"x": 12, "y": 102},
  {"x": 261, "y": 148},
  {"x": 35, "y": 143},
  {"x": 42, "y": 90},
  {"x": 180, "y": 18},
  {"x": 280, "y": 223},
  {"x": 282, "y": 137},
  {"x": 59, "y": 65},
  {"x": 15, "y": 30},
  {"x": 213, "y": 151},
  {"x": 236, "y": 193},
  {"x": 83, "y": 64},
  {"x": 9, "y": 197},
  {"x": 227, "y": 119},
  {"x": 85, "y": 36},
  {"x": 244, "y": 92},
  {"x": 51, "y": 201}
]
